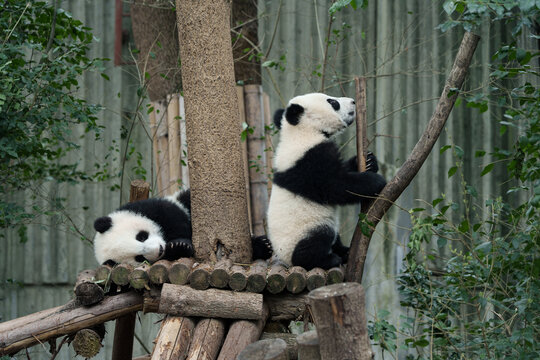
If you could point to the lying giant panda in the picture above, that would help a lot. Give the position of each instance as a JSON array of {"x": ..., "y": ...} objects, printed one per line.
[
  {"x": 153, "y": 229},
  {"x": 311, "y": 180}
]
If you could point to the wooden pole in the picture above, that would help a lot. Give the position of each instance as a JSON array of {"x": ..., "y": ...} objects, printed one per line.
[
  {"x": 48, "y": 324},
  {"x": 207, "y": 339},
  {"x": 124, "y": 329},
  {"x": 340, "y": 318},
  {"x": 174, "y": 337},
  {"x": 241, "y": 333},
  {"x": 254, "y": 105},
  {"x": 161, "y": 145},
  {"x": 173, "y": 129},
  {"x": 405, "y": 174},
  {"x": 361, "y": 123}
]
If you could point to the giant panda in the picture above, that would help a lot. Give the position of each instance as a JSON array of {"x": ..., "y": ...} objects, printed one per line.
[
  {"x": 153, "y": 229},
  {"x": 145, "y": 230},
  {"x": 310, "y": 181}
]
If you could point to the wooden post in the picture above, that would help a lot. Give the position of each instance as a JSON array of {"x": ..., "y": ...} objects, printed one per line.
[
  {"x": 241, "y": 333},
  {"x": 124, "y": 329},
  {"x": 173, "y": 339},
  {"x": 242, "y": 108},
  {"x": 207, "y": 340},
  {"x": 308, "y": 346},
  {"x": 173, "y": 128},
  {"x": 340, "y": 318},
  {"x": 254, "y": 104},
  {"x": 158, "y": 121},
  {"x": 361, "y": 123}
]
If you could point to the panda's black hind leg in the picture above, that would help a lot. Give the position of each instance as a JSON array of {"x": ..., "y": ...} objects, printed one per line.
[
  {"x": 315, "y": 250},
  {"x": 341, "y": 250}
]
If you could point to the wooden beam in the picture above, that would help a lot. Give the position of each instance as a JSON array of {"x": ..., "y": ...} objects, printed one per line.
[{"x": 48, "y": 324}]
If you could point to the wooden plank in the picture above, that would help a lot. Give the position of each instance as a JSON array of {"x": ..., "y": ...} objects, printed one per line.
[{"x": 174, "y": 337}]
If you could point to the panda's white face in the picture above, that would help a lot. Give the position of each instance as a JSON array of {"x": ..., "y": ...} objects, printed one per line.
[
  {"x": 309, "y": 120},
  {"x": 321, "y": 113},
  {"x": 126, "y": 237}
]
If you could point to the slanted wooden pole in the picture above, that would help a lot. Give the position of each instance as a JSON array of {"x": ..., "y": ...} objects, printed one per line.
[
  {"x": 340, "y": 318},
  {"x": 406, "y": 173},
  {"x": 124, "y": 329}
]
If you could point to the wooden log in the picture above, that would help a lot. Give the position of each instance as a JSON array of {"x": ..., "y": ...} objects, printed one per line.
[
  {"x": 199, "y": 278},
  {"x": 182, "y": 300},
  {"x": 296, "y": 279},
  {"x": 48, "y": 324},
  {"x": 254, "y": 104},
  {"x": 256, "y": 280},
  {"x": 335, "y": 276},
  {"x": 87, "y": 292},
  {"x": 315, "y": 278},
  {"x": 242, "y": 333},
  {"x": 274, "y": 349},
  {"x": 339, "y": 314},
  {"x": 159, "y": 272},
  {"x": 173, "y": 129},
  {"x": 219, "y": 278},
  {"x": 285, "y": 307},
  {"x": 308, "y": 346},
  {"x": 237, "y": 278},
  {"x": 139, "y": 190},
  {"x": 290, "y": 339},
  {"x": 120, "y": 274},
  {"x": 183, "y": 144},
  {"x": 151, "y": 300},
  {"x": 138, "y": 278},
  {"x": 180, "y": 270},
  {"x": 207, "y": 339},
  {"x": 276, "y": 279},
  {"x": 87, "y": 343},
  {"x": 174, "y": 337},
  {"x": 103, "y": 275}
]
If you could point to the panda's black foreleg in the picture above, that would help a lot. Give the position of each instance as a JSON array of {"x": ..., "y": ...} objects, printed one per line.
[
  {"x": 262, "y": 247},
  {"x": 341, "y": 250},
  {"x": 315, "y": 250},
  {"x": 178, "y": 248}
]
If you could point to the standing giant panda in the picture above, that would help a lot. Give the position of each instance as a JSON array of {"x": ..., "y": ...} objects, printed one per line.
[
  {"x": 145, "y": 230},
  {"x": 311, "y": 180}
]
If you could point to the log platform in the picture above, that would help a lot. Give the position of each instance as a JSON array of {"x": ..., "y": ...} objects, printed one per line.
[{"x": 258, "y": 277}]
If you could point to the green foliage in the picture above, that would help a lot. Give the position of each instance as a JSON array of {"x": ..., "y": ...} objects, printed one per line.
[
  {"x": 43, "y": 52},
  {"x": 470, "y": 283}
]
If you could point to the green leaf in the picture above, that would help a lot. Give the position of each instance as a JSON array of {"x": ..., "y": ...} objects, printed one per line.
[
  {"x": 452, "y": 171},
  {"x": 338, "y": 5},
  {"x": 487, "y": 169},
  {"x": 444, "y": 148}
]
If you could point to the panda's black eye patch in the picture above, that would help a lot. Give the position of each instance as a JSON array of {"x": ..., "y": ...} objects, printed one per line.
[
  {"x": 142, "y": 236},
  {"x": 334, "y": 103}
]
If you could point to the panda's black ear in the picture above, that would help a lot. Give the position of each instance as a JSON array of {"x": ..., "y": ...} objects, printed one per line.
[
  {"x": 277, "y": 117},
  {"x": 103, "y": 224},
  {"x": 293, "y": 112}
]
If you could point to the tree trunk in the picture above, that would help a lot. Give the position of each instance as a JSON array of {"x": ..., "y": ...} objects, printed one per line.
[
  {"x": 339, "y": 314},
  {"x": 156, "y": 38},
  {"x": 218, "y": 196}
]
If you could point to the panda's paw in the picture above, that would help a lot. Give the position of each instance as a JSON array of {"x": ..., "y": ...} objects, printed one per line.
[
  {"x": 262, "y": 247},
  {"x": 371, "y": 162},
  {"x": 178, "y": 248}
]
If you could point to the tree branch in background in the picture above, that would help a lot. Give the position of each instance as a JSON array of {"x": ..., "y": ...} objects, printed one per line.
[{"x": 404, "y": 176}]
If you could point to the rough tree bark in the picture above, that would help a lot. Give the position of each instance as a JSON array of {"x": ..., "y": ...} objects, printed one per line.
[
  {"x": 360, "y": 241},
  {"x": 154, "y": 31},
  {"x": 218, "y": 196}
]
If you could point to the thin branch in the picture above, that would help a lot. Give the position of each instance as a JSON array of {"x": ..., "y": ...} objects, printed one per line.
[
  {"x": 53, "y": 28},
  {"x": 404, "y": 176}
]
